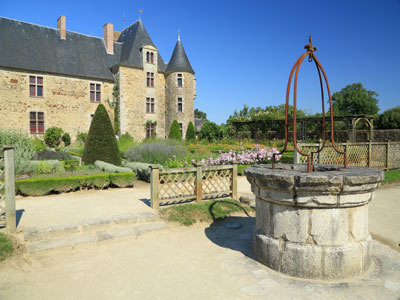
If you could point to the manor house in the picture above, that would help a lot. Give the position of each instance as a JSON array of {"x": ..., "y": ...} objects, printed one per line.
[{"x": 55, "y": 77}]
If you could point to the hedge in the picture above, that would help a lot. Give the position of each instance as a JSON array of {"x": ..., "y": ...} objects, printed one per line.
[
  {"x": 44, "y": 186},
  {"x": 141, "y": 169},
  {"x": 107, "y": 167}
]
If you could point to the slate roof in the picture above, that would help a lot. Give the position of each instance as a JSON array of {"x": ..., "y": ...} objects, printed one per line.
[
  {"x": 133, "y": 38},
  {"x": 37, "y": 48},
  {"x": 179, "y": 60},
  {"x": 33, "y": 47}
]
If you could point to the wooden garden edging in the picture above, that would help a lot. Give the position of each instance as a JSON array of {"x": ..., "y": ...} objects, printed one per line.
[
  {"x": 378, "y": 155},
  {"x": 7, "y": 188},
  {"x": 173, "y": 186}
]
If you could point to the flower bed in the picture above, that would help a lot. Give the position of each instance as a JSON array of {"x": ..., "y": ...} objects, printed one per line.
[{"x": 44, "y": 186}]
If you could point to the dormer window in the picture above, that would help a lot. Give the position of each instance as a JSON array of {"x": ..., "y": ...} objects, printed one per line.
[
  {"x": 179, "y": 78},
  {"x": 150, "y": 57}
]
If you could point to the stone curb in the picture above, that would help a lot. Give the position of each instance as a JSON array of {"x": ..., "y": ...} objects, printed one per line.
[
  {"x": 95, "y": 237},
  {"x": 38, "y": 233}
]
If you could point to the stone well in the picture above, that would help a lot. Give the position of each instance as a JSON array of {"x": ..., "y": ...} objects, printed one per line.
[{"x": 313, "y": 225}]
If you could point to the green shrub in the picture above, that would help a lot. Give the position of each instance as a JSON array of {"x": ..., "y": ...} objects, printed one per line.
[
  {"x": 101, "y": 143},
  {"x": 175, "y": 131},
  {"x": 190, "y": 132},
  {"x": 142, "y": 170},
  {"x": 66, "y": 138},
  {"x": 44, "y": 166},
  {"x": 38, "y": 145},
  {"x": 44, "y": 186},
  {"x": 52, "y": 155},
  {"x": 24, "y": 149},
  {"x": 82, "y": 137},
  {"x": 110, "y": 167},
  {"x": 389, "y": 119},
  {"x": 123, "y": 179},
  {"x": 125, "y": 142},
  {"x": 52, "y": 136}
]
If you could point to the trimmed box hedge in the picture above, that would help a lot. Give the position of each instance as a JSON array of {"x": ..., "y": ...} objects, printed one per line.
[{"x": 44, "y": 186}]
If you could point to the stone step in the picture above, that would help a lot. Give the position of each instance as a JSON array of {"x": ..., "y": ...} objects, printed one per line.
[
  {"x": 53, "y": 231},
  {"x": 73, "y": 239}
]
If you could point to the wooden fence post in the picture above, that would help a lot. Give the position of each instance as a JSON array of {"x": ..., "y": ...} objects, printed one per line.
[
  {"x": 11, "y": 220},
  {"x": 369, "y": 153},
  {"x": 296, "y": 156},
  {"x": 199, "y": 183},
  {"x": 155, "y": 186},
  {"x": 319, "y": 148},
  {"x": 234, "y": 180},
  {"x": 387, "y": 154}
]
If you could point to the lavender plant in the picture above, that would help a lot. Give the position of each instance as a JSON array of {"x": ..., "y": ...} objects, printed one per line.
[{"x": 155, "y": 153}]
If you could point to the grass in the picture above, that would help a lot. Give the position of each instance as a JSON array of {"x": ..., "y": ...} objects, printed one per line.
[
  {"x": 392, "y": 176},
  {"x": 6, "y": 247},
  {"x": 207, "y": 211}
]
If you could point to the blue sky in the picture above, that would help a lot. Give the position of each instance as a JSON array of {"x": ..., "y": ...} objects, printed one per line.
[{"x": 242, "y": 51}]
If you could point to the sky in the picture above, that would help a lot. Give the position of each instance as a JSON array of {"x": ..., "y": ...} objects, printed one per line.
[{"x": 243, "y": 51}]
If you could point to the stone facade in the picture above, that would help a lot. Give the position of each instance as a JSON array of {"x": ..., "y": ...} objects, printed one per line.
[
  {"x": 187, "y": 93},
  {"x": 65, "y": 102},
  {"x": 69, "y": 64},
  {"x": 313, "y": 225}
]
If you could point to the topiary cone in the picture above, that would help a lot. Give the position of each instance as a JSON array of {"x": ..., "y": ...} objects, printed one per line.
[
  {"x": 190, "y": 132},
  {"x": 101, "y": 143},
  {"x": 175, "y": 131}
]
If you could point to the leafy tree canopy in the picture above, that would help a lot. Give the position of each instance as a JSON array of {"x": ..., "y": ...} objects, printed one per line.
[
  {"x": 389, "y": 119},
  {"x": 354, "y": 99},
  {"x": 209, "y": 131},
  {"x": 198, "y": 114}
]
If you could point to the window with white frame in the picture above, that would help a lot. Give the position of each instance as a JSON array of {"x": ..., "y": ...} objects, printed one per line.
[
  {"x": 179, "y": 80},
  {"x": 180, "y": 105}
]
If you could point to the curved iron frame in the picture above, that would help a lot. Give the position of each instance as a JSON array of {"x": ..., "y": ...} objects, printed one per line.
[{"x": 310, "y": 157}]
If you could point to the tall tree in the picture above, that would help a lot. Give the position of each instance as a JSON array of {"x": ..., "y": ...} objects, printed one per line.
[
  {"x": 354, "y": 99},
  {"x": 198, "y": 114},
  {"x": 389, "y": 119}
]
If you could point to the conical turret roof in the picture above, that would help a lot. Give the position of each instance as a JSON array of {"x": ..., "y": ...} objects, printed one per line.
[
  {"x": 179, "y": 60},
  {"x": 133, "y": 38}
]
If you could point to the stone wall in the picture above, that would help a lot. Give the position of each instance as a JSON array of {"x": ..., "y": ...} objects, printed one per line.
[
  {"x": 65, "y": 102},
  {"x": 133, "y": 93},
  {"x": 187, "y": 92}
]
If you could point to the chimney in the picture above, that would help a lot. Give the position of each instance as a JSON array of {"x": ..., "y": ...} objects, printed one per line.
[
  {"x": 61, "y": 27},
  {"x": 108, "y": 36},
  {"x": 116, "y": 35}
]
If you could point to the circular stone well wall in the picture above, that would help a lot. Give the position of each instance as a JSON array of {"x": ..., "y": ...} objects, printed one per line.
[{"x": 313, "y": 225}]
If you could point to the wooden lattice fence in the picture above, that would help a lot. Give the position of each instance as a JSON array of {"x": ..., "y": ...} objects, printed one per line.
[
  {"x": 7, "y": 189},
  {"x": 378, "y": 155},
  {"x": 173, "y": 186}
]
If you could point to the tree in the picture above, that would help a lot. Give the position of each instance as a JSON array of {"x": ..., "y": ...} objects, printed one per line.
[
  {"x": 198, "y": 114},
  {"x": 190, "y": 132},
  {"x": 354, "y": 99},
  {"x": 52, "y": 136},
  {"x": 175, "y": 131},
  {"x": 66, "y": 138},
  {"x": 209, "y": 131},
  {"x": 101, "y": 143},
  {"x": 389, "y": 119}
]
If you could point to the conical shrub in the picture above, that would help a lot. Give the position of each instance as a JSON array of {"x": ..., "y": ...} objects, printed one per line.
[
  {"x": 175, "y": 131},
  {"x": 190, "y": 132},
  {"x": 101, "y": 143}
]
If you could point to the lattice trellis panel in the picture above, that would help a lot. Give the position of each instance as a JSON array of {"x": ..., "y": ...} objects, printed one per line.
[
  {"x": 2, "y": 191},
  {"x": 357, "y": 155},
  {"x": 394, "y": 155},
  {"x": 217, "y": 182},
  {"x": 378, "y": 156},
  {"x": 174, "y": 186}
]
